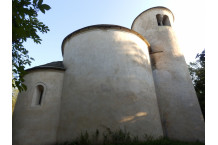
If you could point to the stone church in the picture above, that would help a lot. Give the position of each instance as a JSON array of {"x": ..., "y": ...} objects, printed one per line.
[{"x": 112, "y": 77}]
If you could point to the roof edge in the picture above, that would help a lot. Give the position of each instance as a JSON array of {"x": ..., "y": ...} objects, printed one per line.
[
  {"x": 44, "y": 68},
  {"x": 101, "y": 26},
  {"x": 153, "y": 8},
  {"x": 55, "y": 65}
]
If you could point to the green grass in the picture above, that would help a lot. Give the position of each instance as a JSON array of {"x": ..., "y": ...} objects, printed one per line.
[{"x": 120, "y": 137}]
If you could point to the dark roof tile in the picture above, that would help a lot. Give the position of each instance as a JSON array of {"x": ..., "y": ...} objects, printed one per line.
[{"x": 58, "y": 65}]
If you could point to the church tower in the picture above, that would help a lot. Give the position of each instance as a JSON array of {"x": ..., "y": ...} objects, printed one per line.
[{"x": 180, "y": 112}]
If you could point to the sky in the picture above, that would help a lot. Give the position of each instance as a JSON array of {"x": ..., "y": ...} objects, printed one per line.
[{"x": 66, "y": 16}]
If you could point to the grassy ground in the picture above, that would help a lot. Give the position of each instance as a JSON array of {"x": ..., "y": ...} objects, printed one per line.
[{"x": 122, "y": 138}]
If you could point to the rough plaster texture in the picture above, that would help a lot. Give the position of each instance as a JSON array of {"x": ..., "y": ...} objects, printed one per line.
[
  {"x": 108, "y": 83},
  {"x": 179, "y": 108},
  {"x": 33, "y": 125}
]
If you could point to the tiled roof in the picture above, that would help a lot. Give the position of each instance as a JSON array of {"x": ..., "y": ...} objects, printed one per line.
[{"x": 52, "y": 65}]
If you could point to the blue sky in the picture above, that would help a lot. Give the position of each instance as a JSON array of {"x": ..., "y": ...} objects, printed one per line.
[{"x": 67, "y": 16}]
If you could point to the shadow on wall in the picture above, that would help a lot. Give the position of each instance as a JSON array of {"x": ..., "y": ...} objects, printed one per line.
[
  {"x": 139, "y": 49},
  {"x": 160, "y": 58},
  {"x": 136, "y": 54}
]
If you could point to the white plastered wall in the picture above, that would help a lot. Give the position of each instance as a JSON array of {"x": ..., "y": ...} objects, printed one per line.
[
  {"x": 108, "y": 84},
  {"x": 37, "y": 124}
]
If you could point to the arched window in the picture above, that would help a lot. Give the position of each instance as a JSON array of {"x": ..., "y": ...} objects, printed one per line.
[
  {"x": 159, "y": 19},
  {"x": 166, "y": 21},
  {"x": 38, "y": 94}
]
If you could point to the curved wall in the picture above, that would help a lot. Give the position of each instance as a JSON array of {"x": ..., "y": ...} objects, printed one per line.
[
  {"x": 179, "y": 108},
  {"x": 108, "y": 83},
  {"x": 35, "y": 123}
]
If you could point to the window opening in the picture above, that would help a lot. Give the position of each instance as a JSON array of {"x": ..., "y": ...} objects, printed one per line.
[
  {"x": 166, "y": 21},
  {"x": 38, "y": 95},
  {"x": 163, "y": 20},
  {"x": 159, "y": 19},
  {"x": 41, "y": 93}
]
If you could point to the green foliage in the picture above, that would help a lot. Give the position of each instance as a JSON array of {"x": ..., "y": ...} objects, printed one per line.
[
  {"x": 14, "y": 96},
  {"x": 121, "y": 137},
  {"x": 197, "y": 72},
  {"x": 14, "y": 99},
  {"x": 25, "y": 25}
]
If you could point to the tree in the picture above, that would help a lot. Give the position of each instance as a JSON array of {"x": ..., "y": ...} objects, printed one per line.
[
  {"x": 25, "y": 25},
  {"x": 14, "y": 98},
  {"x": 14, "y": 95},
  {"x": 197, "y": 72}
]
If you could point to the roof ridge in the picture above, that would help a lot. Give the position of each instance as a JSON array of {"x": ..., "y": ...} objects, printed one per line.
[{"x": 52, "y": 65}]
